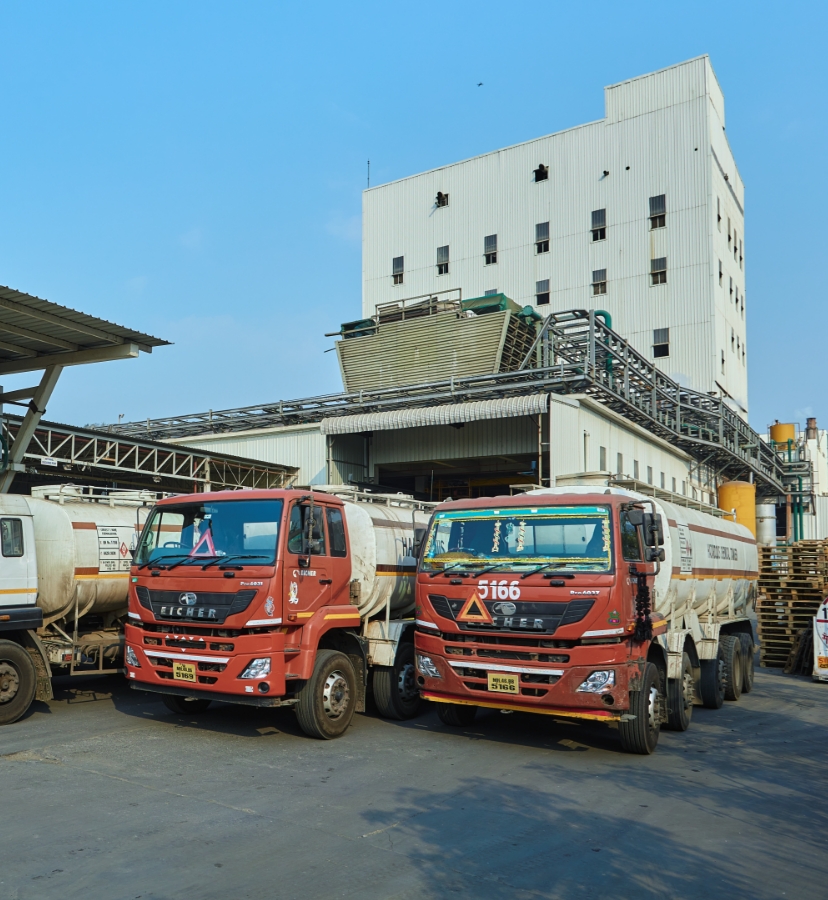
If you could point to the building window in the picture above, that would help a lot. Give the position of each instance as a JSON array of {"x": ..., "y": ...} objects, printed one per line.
[
  {"x": 542, "y": 237},
  {"x": 732, "y": 340},
  {"x": 658, "y": 211},
  {"x": 723, "y": 362},
  {"x": 398, "y": 269},
  {"x": 649, "y": 474},
  {"x": 602, "y": 459},
  {"x": 541, "y": 173},
  {"x": 11, "y": 537},
  {"x": 635, "y": 469},
  {"x": 441, "y": 200},
  {"x": 661, "y": 342},
  {"x": 663, "y": 481},
  {"x": 721, "y": 273},
  {"x": 674, "y": 485},
  {"x": 658, "y": 270},
  {"x": 490, "y": 249},
  {"x": 619, "y": 463},
  {"x": 599, "y": 224},
  {"x": 741, "y": 258},
  {"x": 493, "y": 292},
  {"x": 684, "y": 488},
  {"x": 542, "y": 292},
  {"x": 744, "y": 350},
  {"x": 718, "y": 213},
  {"x": 731, "y": 289},
  {"x": 737, "y": 296},
  {"x": 743, "y": 305},
  {"x": 443, "y": 260},
  {"x": 599, "y": 282},
  {"x": 735, "y": 245},
  {"x": 729, "y": 235}
]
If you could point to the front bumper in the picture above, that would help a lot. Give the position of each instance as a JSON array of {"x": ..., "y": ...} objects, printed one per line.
[
  {"x": 547, "y": 687},
  {"x": 219, "y": 663}
]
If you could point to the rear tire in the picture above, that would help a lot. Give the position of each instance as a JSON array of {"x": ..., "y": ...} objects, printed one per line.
[
  {"x": 640, "y": 735},
  {"x": 328, "y": 699},
  {"x": 712, "y": 680},
  {"x": 395, "y": 687},
  {"x": 185, "y": 705},
  {"x": 748, "y": 663},
  {"x": 457, "y": 715},
  {"x": 680, "y": 694},
  {"x": 733, "y": 665},
  {"x": 18, "y": 680}
]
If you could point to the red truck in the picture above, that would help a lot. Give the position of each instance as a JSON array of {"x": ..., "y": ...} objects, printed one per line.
[
  {"x": 278, "y": 598},
  {"x": 585, "y": 602}
]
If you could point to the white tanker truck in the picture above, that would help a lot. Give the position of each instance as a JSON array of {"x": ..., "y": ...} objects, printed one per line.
[{"x": 65, "y": 556}]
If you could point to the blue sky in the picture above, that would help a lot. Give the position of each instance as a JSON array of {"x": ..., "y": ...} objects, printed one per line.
[{"x": 195, "y": 170}]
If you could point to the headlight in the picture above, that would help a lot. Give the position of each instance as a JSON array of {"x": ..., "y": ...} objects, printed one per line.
[
  {"x": 598, "y": 682},
  {"x": 131, "y": 658},
  {"x": 426, "y": 665},
  {"x": 257, "y": 669}
]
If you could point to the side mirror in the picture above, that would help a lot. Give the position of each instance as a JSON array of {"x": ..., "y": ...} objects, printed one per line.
[
  {"x": 654, "y": 554},
  {"x": 635, "y": 516},
  {"x": 653, "y": 530},
  {"x": 417, "y": 545}
]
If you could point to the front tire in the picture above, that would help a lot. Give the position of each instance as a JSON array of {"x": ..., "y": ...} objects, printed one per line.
[
  {"x": 185, "y": 705},
  {"x": 395, "y": 687},
  {"x": 640, "y": 735},
  {"x": 680, "y": 694},
  {"x": 748, "y": 663},
  {"x": 328, "y": 699},
  {"x": 18, "y": 680},
  {"x": 457, "y": 715},
  {"x": 733, "y": 665}
]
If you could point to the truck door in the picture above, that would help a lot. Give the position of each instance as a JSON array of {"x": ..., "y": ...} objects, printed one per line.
[
  {"x": 307, "y": 579},
  {"x": 18, "y": 572}
]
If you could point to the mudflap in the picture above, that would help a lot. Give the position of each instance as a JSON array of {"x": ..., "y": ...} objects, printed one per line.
[{"x": 32, "y": 643}]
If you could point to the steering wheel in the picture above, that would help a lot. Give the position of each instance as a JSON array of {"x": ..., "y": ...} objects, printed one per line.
[{"x": 175, "y": 544}]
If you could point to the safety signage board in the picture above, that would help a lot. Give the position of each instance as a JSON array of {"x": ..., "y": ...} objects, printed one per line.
[{"x": 115, "y": 548}]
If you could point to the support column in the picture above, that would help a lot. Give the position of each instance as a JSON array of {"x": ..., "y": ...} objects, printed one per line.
[{"x": 31, "y": 420}]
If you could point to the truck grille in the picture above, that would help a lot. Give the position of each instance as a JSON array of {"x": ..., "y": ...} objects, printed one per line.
[
  {"x": 536, "y": 617},
  {"x": 209, "y": 607}
]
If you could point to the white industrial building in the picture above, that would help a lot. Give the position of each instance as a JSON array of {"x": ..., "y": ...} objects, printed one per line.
[{"x": 640, "y": 213}]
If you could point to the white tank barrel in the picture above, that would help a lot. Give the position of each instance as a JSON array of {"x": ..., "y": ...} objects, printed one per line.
[{"x": 766, "y": 524}]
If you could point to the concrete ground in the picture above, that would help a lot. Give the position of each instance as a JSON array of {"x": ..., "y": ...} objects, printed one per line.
[{"x": 106, "y": 794}]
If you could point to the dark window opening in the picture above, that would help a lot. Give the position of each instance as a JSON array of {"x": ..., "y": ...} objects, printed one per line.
[
  {"x": 443, "y": 260},
  {"x": 442, "y": 199},
  {"x": 599, "y": 224},
  {"x": 491, "y": 293},
  {"x": 658, "y": 211},
  {"x": 658, "y": 270},
  {"x": 11, "y": 537},
  {"x": 542, "y": 237},
  {"x": 336, "y": 532},
  {"x": 720, "y": 273},
  {"x": 661, "y": 342},
  {"x": 542, "y": 292},
  {"x": 490, "y": 249},
  {"x": 541, "y": 173},
  {"x": 298, "y": 531},
  {"x": 398, "y": 268},
  {"x": 599, "y": 282},
  {"x": 630, "y": 544}
]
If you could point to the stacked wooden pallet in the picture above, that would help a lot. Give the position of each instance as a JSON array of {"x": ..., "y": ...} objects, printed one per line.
[{"x": 792, "y": 583}]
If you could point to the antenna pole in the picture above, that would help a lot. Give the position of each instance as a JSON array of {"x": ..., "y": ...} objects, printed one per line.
[{"x": 369, "y": 173}]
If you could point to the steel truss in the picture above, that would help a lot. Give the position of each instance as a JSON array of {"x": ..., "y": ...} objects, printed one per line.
[
  {"x": 56, "y": 448},
  {"x": 574, "y": 352}
]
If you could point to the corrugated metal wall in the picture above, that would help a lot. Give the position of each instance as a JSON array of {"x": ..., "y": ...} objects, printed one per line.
[{"x": 658, "y": 138}]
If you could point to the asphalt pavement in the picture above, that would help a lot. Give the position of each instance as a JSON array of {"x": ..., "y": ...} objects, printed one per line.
[{"x": 106, "y": 794}]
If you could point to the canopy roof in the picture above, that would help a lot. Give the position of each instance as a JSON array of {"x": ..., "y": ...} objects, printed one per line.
[{"x": 35, "y": 334}]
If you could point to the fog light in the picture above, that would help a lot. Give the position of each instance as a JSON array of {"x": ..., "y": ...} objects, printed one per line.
[
  {"x": 264, "y": 687},
  {"x": 426, "y": 665},
  {"x": 598, "y": 682},
  {"x": 131, "y": 658},
  {"x": 257, "y": 669}
]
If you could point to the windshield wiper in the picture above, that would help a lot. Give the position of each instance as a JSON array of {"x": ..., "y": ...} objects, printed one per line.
[
  {"x": 460, "y": 565},
  {"x": 223, "y": 559},
  {"x": 492, "y": 568},
  {"x": 155, "y": 564},
  {"x": 555, "y": 565}
]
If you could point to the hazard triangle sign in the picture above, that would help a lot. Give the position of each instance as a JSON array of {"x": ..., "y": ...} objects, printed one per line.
[{"x": 474, "y": 610}]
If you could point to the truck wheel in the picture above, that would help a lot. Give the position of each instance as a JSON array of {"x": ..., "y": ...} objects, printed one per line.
[
  {"x": 395, "y": 687},
  {"x": 748, "y": 664},
  {"x": 185, "y": 704},
  {"x": 456, "y": 714},
  {"x": 18, "y": 681},
  {"x": 733, "y": 665},
  {"x": 680, "y": 694},
  {"x": 328, "y": 699},
  {"x": 640, "y": 734},
  {"x": 712, "y": 680}
]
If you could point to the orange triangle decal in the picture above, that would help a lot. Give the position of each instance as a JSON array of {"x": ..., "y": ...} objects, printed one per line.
[{"x": 474, "y": 610}]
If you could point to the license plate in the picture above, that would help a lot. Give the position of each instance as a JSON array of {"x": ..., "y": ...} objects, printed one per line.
[
  {"x": 184, "y": 671},
  {"x": 822, "y": 662},
  {"x": 503, "y": 684}
]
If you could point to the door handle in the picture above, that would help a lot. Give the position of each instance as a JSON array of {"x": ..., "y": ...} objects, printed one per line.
[{"x": 326, "y": 580}]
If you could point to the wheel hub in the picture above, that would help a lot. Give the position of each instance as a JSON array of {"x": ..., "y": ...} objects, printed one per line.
[
  {"x": 9, "y": 682},
  {"x": 653, "y": 712},
  {"x": 688, "y": 689},
  {"x": 406, "y": 682},
  {"x": 336, "y": 695}
]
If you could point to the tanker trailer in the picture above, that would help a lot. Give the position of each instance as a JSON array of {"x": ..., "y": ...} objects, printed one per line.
[{"x": 65, "y": 557}]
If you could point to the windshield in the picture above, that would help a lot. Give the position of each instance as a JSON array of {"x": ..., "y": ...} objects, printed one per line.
[
  {"x": 246, "y": 530},
  {"x": 562, "y": 537}
]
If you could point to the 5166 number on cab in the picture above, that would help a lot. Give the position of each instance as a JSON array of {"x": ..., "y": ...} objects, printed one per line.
[{"x": 500, "y": 590}]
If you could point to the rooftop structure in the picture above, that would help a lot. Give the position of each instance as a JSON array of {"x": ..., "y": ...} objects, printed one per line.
[{"x": 640, "y": 213}]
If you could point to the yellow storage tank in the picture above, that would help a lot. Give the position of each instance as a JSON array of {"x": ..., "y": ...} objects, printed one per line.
[
  {"x": 781, "y": 433},
  {"x": 740, "y": 496}
]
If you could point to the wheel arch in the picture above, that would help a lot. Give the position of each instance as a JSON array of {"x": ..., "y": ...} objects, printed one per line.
[{"x": 356, "y": 649}]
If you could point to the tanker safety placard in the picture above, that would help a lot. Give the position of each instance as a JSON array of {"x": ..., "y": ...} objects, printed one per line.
[{"x": 114, "y": 547}]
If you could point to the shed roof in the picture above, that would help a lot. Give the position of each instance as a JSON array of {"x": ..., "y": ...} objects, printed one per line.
[{"x": 36, "y": 333}]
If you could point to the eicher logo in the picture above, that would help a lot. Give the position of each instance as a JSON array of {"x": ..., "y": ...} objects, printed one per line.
[
  {"x": 183, "y": 612},
  {"x": 717, "y": 551},
  {"x": 188, "y": 599}
]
